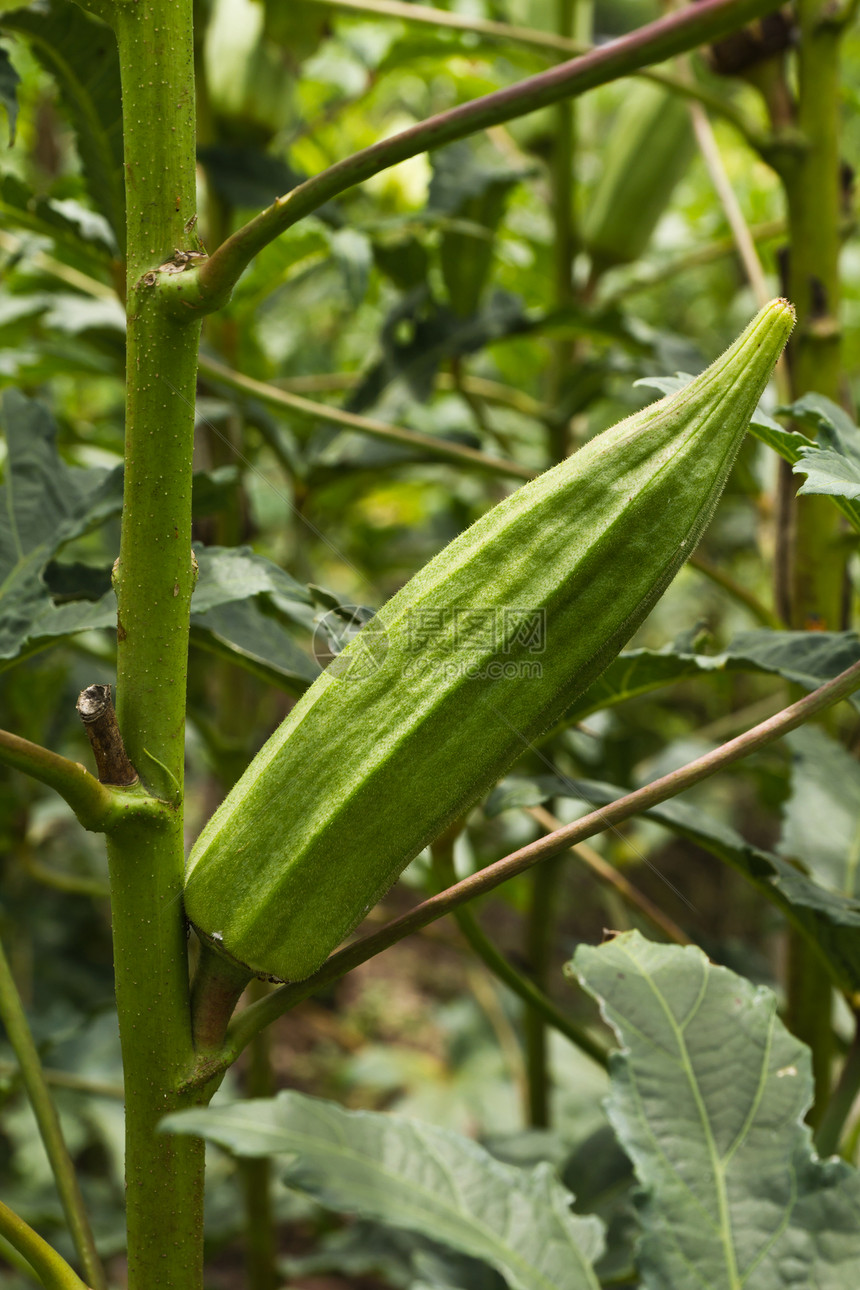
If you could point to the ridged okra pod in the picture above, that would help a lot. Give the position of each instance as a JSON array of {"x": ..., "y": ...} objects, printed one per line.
[
  {"x": 477, "y": 655},
  {"x": 650, "y": 147}
]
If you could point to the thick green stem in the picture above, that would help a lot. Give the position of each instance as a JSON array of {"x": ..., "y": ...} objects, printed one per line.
[
  {"x": 18, "y": 1031},
  {"x": 52, "y": 1270},
  {"x": 540, "y": 938},
  {"x": 205, "y": 289},
  {"x": 845, "y": 1094},
  {"x": 260, "y": 1235},
  {"x": 811, "y": 558},
  {"x": 813, "y": 191},
  {"x": 154, "y": 579}
]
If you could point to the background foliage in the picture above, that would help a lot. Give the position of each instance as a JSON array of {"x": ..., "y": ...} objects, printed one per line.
[{"x": 429, "y": 298}]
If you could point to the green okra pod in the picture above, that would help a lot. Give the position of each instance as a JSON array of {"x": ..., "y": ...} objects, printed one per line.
[{"x": 454, "y": 677}]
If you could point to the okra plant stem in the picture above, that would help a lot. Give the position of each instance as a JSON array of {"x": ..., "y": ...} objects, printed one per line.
[
  {"x": 811, "y": 557},
  {"x": 164, "y": 1174},
  {"x": 843, "y": 1099},
  {"x": 91, "y": 801}
]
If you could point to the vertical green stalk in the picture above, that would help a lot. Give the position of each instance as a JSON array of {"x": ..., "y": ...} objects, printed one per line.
[
  {"x": 812, "y": 186},
  {"x": 573, "y": 20},
  {"x": 260, "y": 1244},
  {"x": 154, "y": 579},
  {"x": 540, "y": 939},
  {"x": 832, "y": 1124},
  {"x": 571, "y": 15},
  {"x": 20, "y": 1037},
  {"x": 562, "y": 172},
  {"x": 810, "y": 552}
]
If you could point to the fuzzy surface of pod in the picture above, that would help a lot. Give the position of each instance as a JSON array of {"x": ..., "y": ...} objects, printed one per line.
[{"x": 450, "y": 682}]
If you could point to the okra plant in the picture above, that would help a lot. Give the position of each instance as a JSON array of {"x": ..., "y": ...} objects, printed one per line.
[{"x": 495, "y": 713}]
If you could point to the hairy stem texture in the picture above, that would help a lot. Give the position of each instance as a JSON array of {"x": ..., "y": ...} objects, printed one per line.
[{"x": 154, "y": 578}]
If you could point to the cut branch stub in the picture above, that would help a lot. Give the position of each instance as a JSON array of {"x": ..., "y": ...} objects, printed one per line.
[{"x": 96, "y": 711}]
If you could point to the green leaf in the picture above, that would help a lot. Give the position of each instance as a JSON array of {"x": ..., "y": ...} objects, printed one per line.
[
  {"x": 244, "y": 634},
  {"x": 43, "y": 504},
  {"x": 638, "y": 672},
  {"x": 832, "y": 462},
  {"x": 227, "y": 619},
  {"x": 414, "y": 1175},
  {"x": 9, "y": 80},
  {"x": 707, "y": 1098},
  {"x": 805, "y": 658},
  {"x": 80, "y": 53},
  {"x": 821, "y": 819},
  {"x": 227, "y": 574},
  {"x": 84, "y": 235}
]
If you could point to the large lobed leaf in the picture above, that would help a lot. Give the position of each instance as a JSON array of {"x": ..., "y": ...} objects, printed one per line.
[
  {"x": 416, "y": 1176},
  {"x": 707, "y": 1098},
  {"x": 45, "y": 503}
]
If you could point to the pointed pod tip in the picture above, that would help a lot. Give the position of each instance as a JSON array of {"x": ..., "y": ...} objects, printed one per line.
[
  {"x": 765, "y": 338},
  {"x": 782, "y": 305},
  {"x": 782, "y": 309}
]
